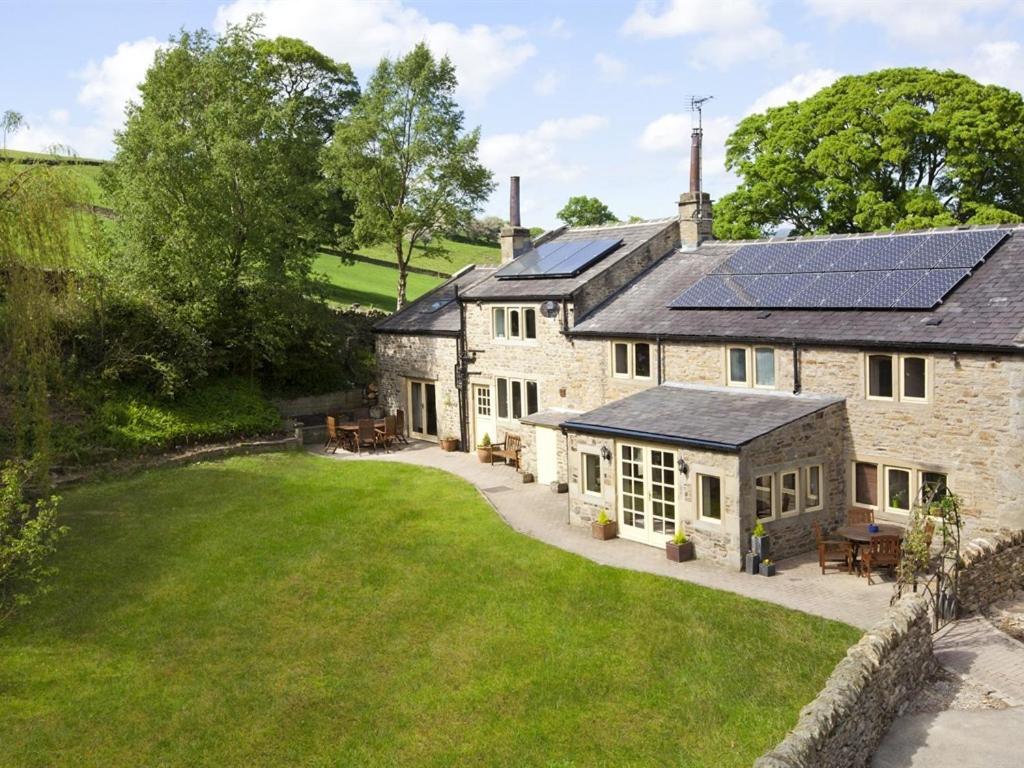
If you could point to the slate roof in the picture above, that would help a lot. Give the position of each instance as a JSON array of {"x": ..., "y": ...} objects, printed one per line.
[
  {"x": 986, "y": 311},
  {"x": 422, "y": 318},
  {"x": 633, "y": 236},
  {"x": 717, "y": 418}
]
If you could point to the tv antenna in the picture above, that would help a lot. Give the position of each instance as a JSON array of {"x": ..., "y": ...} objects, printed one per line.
[{"x": 697, "y": 105}]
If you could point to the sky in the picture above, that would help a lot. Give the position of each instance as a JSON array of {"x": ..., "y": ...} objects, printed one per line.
[{"x": 576, "y": 98}]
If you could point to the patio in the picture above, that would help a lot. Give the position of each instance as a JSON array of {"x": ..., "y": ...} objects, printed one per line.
[{"x": 538, "y": 512}]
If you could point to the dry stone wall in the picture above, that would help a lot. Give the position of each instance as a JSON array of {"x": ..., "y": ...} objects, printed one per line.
[
  {"x": 867, "y": 690},
  {"x": 993, "y": 569}
]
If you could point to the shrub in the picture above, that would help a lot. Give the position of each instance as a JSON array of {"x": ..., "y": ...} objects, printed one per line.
[
  {"x": 758, "y": 529},
  {"x": 603, "y": 518},
  {"x": 680, "y": 537}
]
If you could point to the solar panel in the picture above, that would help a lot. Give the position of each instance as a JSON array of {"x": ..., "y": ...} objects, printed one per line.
[
  {"x": 565, "y": 258},
  {"x": 876, "y": 272}
]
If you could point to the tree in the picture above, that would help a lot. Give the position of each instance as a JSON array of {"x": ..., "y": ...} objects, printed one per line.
[
  {"x": 582, "y": 211},
  {"x": 404, "y": 155},
  {"x": 895, "y": 148},
  {"x": 222, "y": 201},
  {"x": 11, "y": 122}
]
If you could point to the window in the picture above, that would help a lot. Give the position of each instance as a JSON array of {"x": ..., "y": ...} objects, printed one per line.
[
  {"x": 764, "y": 498},
  {"x": 788, "y": 493},
  {"x": 510, "y": 398},
  {"x": 865, "y": 484},
  {"x": 880, "y": 377},
  {"x": 914, "y": 378},
  {"x": 910, "y": 371},
  {"x": 933, "y": 486},
  {"x": 764, "y": 367},
  {"x": 631, "y": 472},
  {"x": 631, "y": 360},
  {"x": 483, "y": 401},
  {"x": 897, "y": 488},
  {"x": 663, "y": 492},
  {"x": 515, "y": 323},
  {"x": 709, "y": 497},
  {"x": 812, "y": 488},
  {"x": 591, "y": 473},
  {"x": 738, "y": 366}
]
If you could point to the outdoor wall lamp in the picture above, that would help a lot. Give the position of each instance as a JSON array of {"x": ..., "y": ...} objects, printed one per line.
[
  {"x": 683, "y": 466},
  {"x": 605, "y": 453}
]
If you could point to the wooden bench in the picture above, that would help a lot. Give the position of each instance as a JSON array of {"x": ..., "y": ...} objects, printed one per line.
[{"x": 507, "y": 450}]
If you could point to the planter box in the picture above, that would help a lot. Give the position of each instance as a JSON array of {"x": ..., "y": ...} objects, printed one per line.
[
  {"x": 450, "y": 444},
  {"x": 753, "y": 563},
  {"x": 604, "y": 531},
  {"x": 761, "y": 546},
  {"x": 679, "y": 553},
  {"x": 767, "y": 569},
  {"x": 484, "y": 455}
]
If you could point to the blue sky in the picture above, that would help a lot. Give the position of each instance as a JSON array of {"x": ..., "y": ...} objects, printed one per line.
[{"x": 577, "y": 98}]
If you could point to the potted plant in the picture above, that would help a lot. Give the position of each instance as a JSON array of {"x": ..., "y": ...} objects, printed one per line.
[
  {"x": 767, "y": 567},
  {"x": 449, "y": 443},
  {"x": 759, "y": 541},
  {"x": 752, "y": 563},
  {"x": 680, "y": 548},
  {"x": 483, "y": 451},
  {"x": 604, "y": 527}
]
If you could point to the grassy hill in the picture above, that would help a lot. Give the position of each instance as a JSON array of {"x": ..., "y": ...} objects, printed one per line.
[
  {"x": 459, "y": 255},
  {"x": 87, "y": 175},
  {"x": 368, "y": 285}
]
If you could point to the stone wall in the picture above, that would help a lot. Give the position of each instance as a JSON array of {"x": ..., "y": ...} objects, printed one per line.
[
  {"x": 867, "y": 690},
  {"x": 430, "y": 358},
  {"x": 993, "y": 569},
  {"x": 330, "y": 402}
]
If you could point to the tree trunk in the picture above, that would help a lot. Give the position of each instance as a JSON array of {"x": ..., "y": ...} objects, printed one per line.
[{"x": 402, "y": 275}]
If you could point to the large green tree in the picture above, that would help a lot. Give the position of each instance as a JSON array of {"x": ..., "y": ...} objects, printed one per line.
[
  {"x": 405, "y": 156},
  {"x": 895, "y": 148},
  {"x": 583, "y": 211},
  {"x": 221, "y": 197}
]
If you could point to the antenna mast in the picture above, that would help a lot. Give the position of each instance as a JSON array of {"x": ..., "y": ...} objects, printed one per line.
[{"x": 697, "y": 152}]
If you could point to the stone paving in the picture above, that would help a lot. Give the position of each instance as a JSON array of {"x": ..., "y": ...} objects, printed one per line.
[
  {"x": 539, "y": 512},
  {"x": 975, "y": 649}
]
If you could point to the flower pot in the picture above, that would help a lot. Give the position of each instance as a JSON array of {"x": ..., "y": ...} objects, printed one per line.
[
  {"x": 679, "y": 553},
  {"x": 761, "y": 546},
  {"x": 484, "y": 454},
  {"x": 767, "y": 569},
  {"x": 449, "y": 444},
  {"x": 753, "y": 563},
  {"x": 604, "y": 531}
]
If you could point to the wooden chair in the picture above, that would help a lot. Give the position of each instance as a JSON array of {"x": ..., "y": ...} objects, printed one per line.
[
  {"x": 400, "y": 426},
  {"x": 834, "y": 551},
  {"x": 367, "y": 436},
  {"x": 389, "y": 435},
  {"x": 882, "y": 552},
  {"x": 510, "y": 449},
  {"x": 334, "y": 439},
  {"x": 858, "y": 516}
]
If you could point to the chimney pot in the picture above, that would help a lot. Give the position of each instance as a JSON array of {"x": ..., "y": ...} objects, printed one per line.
[
  {"x": 695, "y": 148},
  {"x": 513, "y": 203},
  {"x": 515, "y": 238}
]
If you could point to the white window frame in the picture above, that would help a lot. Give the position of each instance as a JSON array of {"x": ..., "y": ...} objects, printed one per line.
[
  {"x": 630, "y": 372},
  {"x": 805, "y": 484},
  {"x": 775, "y": 368},
  {"x": 797, "y": 499},
  {"x": 698, "y": 496},
  {"x": 898, "y": 361},
  {"x": 505, "y": 384},
  {"x": 895, "y": 370},
  {"x": 773, "y": 506},
  {"x": 584, "y": 457},
  {"x": 506, "y": 313},
  {"x": 747, "y": 369},
  {"x": 917, "y": 473},
  {"x": 927, "y": 379},
  {"x": 888, "y": 491},
  {"x": 750, "y": 360}
]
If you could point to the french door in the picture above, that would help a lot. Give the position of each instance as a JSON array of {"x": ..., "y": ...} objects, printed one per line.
[
  {"x": 647, "y": 494},
  {"x": 422, "y": 409}
]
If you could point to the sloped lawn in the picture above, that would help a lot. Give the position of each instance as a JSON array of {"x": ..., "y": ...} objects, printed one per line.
[{"x": 288, "y": 610}]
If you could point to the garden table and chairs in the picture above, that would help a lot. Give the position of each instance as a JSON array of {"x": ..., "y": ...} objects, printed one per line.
[
  {"x": 873, "y": 545},
  {"x": 353, "y": 433}
]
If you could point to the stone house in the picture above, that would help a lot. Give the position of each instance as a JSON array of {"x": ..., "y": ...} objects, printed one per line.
[{"x": 678, "y": 381}]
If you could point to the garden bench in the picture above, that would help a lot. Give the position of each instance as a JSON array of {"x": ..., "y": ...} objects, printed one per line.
[{"x": 509, "y": 449}]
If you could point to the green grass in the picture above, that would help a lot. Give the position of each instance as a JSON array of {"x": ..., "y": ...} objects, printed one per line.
[
  {"x": 368, "y": 285},
  {"x": 87, "y": 175},
  {"x": 460, "y": 254},
  {"x": 289, "y": 610}
]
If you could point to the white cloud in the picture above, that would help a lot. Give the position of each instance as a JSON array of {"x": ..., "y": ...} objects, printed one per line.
[
  {"x": 999, "y": 62},
  {"x": 727, "y": 31},
  {"x": 558, "y": 28},
  {"x": 361, "y": 33},
  {"x": 920, "y": 22},
  {"x": 796, "y": 88},
  {"x": 610, "y": 67},
  {"x": 668, "y": 133},
  {"x": 547, "y": 84},
  {"x": 537, "y": 154}
]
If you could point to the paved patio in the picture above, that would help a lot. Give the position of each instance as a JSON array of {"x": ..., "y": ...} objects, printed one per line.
[{"x": 539, "y": 512}]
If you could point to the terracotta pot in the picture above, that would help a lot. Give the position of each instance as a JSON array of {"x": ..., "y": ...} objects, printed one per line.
[
  {"x": 679, "y": 553},
  {"x": 483, "y": 454},
  {"x": 604, "y": 531},
  {"x": 449, "y": 444}
]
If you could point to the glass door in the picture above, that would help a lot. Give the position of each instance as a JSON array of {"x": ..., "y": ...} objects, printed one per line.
[
  {"x": 647, "y": 494},
  {"x": 423, "y": 409}
]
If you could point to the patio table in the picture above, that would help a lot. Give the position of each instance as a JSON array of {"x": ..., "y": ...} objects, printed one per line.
[
  {"x": 351, "y": 429},
  {"x": 859, "y": 534}
]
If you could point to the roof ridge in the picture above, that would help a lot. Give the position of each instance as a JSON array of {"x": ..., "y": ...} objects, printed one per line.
[
  {"x": 877, "y": 233},
  {"x": 623, "y": 224}
]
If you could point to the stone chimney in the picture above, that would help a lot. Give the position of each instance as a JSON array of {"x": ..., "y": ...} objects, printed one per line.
[
  {"x": 515, "y": 238},
  {"x": 695, "y": 205}
]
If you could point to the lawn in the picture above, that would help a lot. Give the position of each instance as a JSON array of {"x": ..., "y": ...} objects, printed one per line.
[
  {"x": 368, "y": 285},
  {"x": 459, "y": 255},
  {"x": 87, "y": 175},
  {"x": 289, "y": 610}
]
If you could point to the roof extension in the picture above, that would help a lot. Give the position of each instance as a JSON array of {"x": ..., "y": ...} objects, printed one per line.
[
  {"x": 986, "y": 311},
  {"x": 715, "y": 418}
]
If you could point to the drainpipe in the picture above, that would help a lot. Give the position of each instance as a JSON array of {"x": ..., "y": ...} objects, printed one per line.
[
  {"x": 797, "y": 387},
  {"x": 461, "y": 377},
  {"x": 658, "y": 347},
  {"x": 568, "y": 495}
]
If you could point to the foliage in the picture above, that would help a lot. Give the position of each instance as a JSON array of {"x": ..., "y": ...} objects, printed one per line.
[
  {"x": 366, "y": 285},
  {"x": 485, "y": 441},
  {"x": 758, "y": 530},
  {"x": 895, "y": 148},
  {"x": 481, "y": 230},
  {"x": 404, "y": 155},
  {"x": 942, "y": 506},
  {"x": 10, "y": 122},
  {"x": 222, "y": 202},
  {"x": 680, "y": 537},
  {"x": 583, "y": 211},
  {"x": 29, "y": 533},
  {"x": 602, "y": 517},
  {"x": 201, "y": 604}
]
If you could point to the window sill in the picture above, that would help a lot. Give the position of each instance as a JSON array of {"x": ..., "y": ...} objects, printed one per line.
[{"x": 708, "y": 524}]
